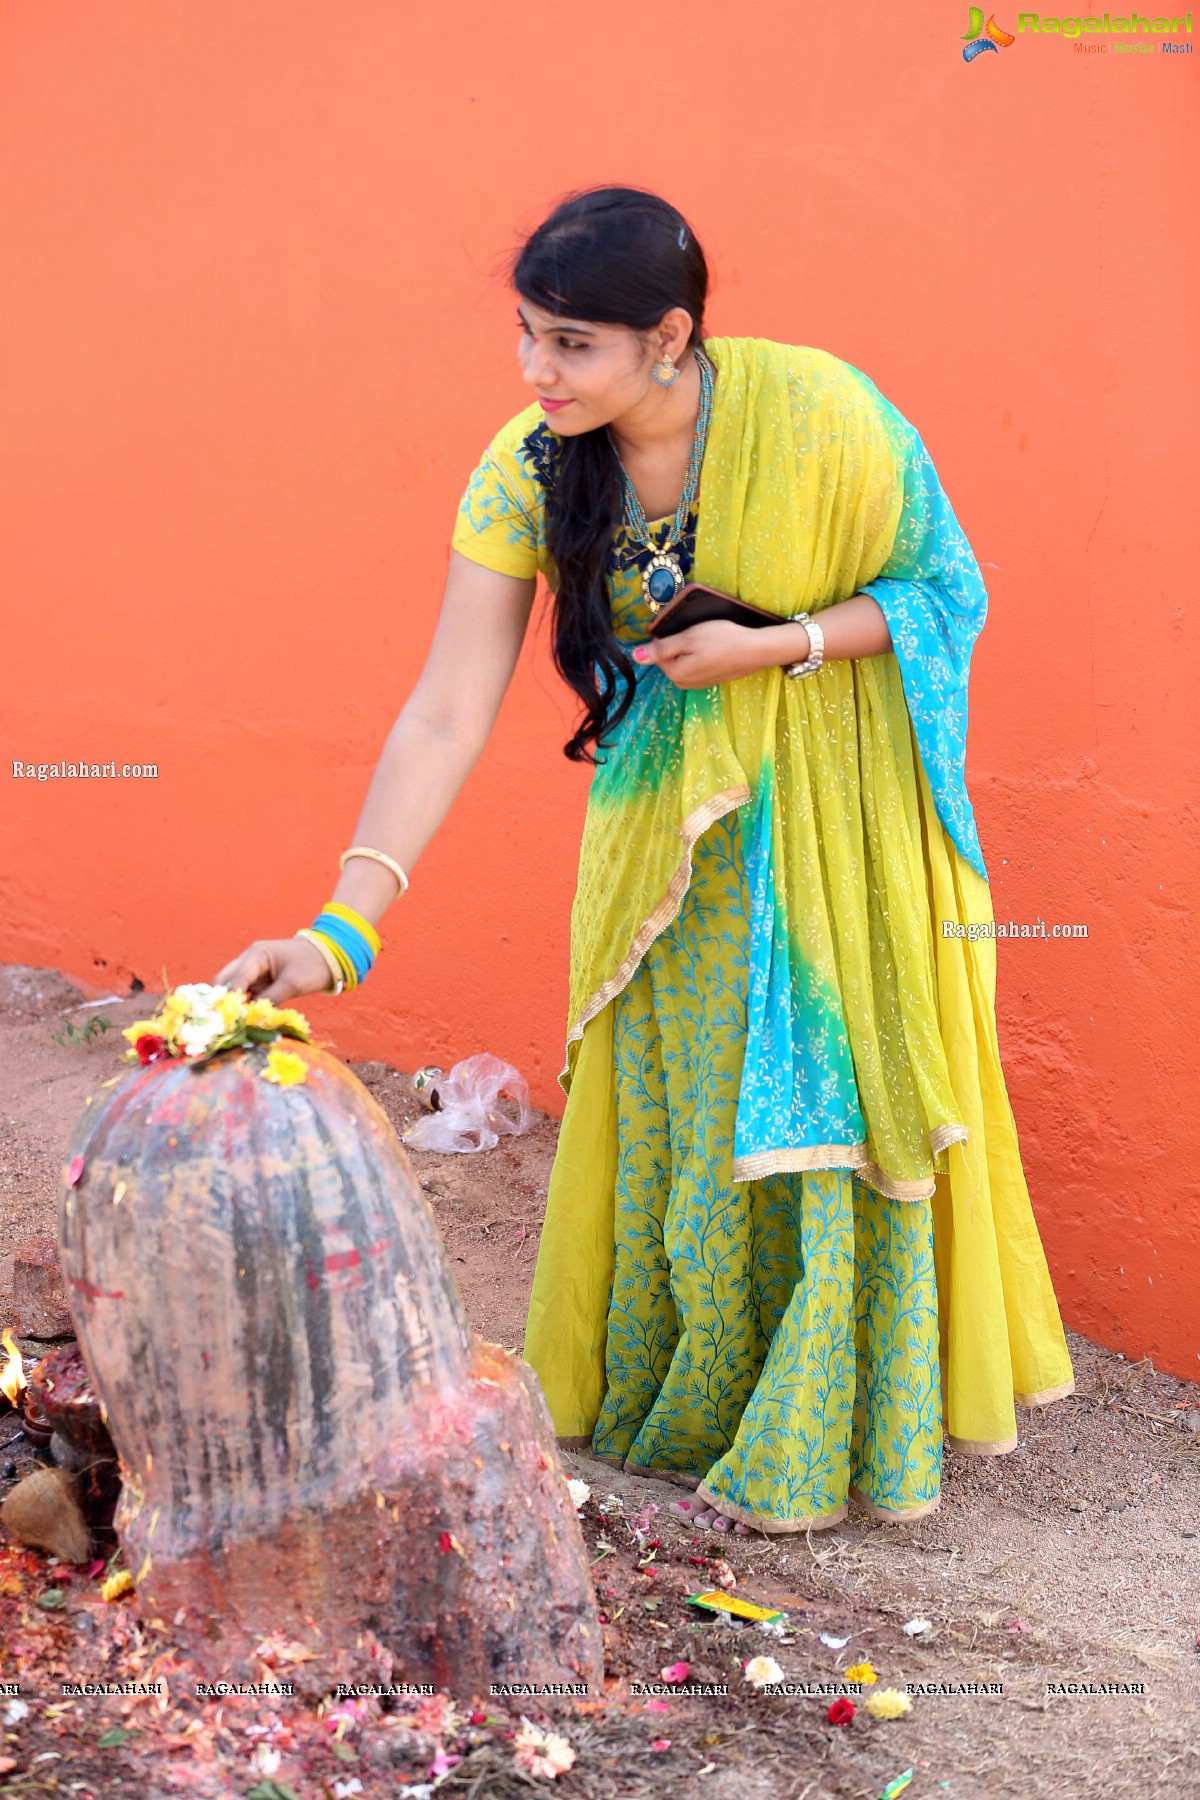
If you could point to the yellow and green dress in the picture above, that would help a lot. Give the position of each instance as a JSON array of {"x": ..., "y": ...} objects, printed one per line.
[{"x": 788, "y": 1241}]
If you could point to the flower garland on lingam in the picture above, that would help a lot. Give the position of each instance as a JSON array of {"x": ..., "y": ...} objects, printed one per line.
[{"x": 197, "y": 1021}]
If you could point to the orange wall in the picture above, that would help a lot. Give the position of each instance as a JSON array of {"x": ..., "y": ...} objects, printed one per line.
[{"x": 255, "y": 338}]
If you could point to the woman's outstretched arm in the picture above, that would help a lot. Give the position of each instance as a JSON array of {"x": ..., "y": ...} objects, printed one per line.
[{"x": 434, "y": 744}]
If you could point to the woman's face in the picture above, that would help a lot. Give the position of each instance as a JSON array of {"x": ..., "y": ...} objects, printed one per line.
[{"x": 587, "y": 374}]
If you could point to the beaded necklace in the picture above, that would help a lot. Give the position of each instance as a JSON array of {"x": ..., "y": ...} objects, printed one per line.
[{"x": 662, "y": 576}]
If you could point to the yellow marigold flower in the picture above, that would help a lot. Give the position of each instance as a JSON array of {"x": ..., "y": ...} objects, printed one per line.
[
  {"x": 231, "y": 1008},
  {"x": 295, "y": 1021},
  {"x": 861, "y": 1672},
  {"x": 116, "y": 1585},
  {"x": 888, "y": 1703},
  {"x": 285, "y": 1067},
  {"x": 264, "y": 1015}
]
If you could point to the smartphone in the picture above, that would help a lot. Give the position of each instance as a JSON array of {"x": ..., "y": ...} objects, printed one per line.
[{"x": 694, "y": 603}]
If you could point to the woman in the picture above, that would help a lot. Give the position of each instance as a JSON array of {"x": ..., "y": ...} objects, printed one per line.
[{"x": 787, "y": 1234}]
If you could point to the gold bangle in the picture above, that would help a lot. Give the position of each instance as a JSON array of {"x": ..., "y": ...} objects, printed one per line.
[
  {"x": 379, "y": 857},
  {"x": 327, "y": 957}
]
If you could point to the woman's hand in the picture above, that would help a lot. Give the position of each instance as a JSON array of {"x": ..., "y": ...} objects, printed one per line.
[
  {"x": 278, "y": 969},
  {"x": 718, "y": 650}
]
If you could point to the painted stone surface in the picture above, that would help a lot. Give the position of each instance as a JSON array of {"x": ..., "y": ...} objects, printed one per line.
[{"x": 313, "y": 1441}]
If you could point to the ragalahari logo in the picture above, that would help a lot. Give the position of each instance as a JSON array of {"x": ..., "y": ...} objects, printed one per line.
[{"x": 993, "y": 39}]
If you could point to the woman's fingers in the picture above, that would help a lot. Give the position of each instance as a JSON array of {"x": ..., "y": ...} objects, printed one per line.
[
  {"x": 278, "y": 969},
  {"x": 251, "y": 971}
]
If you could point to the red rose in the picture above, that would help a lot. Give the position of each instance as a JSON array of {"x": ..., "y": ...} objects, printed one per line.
[
  {"x": 150, "y": 1048},
  {"x": 841, "y": 1712}
]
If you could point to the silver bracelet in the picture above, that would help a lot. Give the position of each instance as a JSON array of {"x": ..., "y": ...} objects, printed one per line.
[{"x": 816, "y": 647}]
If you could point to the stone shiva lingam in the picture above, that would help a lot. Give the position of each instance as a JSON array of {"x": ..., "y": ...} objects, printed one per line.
[{"x": 315, "y": 1446}]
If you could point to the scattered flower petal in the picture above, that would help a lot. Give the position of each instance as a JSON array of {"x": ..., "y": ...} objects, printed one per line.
[
  {"x": 116, "y": 1585},
  {"x": 611, "y": 1503},
  {"x": 539, "y": 1752},
  {"x": 723, "y": 1573},
  {"x": 15, "y": 1711},
  {"x": 580, "y": 1493},
  {"x": 265, "y": 1760},
  {"x": 762, "y": 1671},
  {"x": 658, "y": 1706},
  {"x": 661, "y": 1744},
  {"x": 442, "y": 1763},
  {"x": 841, "y": 1710},
  {"x": 676, "y": 1671},
  {"x": 838, "y": 1643},
  {"x": 447, "y": 1542},
  {"x": 74, "y": 1171},
  {"x": 888, "y": 1703}
]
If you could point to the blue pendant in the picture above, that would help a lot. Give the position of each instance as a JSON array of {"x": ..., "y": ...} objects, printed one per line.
[{"x": 662, "y": 581}]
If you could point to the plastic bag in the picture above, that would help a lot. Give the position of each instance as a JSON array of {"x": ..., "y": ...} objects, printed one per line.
[{"x": 469, "y": 1097}]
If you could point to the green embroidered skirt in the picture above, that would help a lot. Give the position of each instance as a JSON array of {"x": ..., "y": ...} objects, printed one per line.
[{"x": 773, "y": 1343}]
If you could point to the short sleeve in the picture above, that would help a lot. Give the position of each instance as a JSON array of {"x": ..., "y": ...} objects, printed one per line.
[{"x": 501, "y": 517}]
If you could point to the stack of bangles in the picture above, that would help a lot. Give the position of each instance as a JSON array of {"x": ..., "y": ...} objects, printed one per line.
[{"x": 348, "y": 942}]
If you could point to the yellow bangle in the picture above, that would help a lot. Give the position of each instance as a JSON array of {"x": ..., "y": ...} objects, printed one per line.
[
  {"x": 349, "y": 972},
  {"x": 356, "y": 919},
  {"x": 377, "y": 856},
  {"x": 326, "y": 949}
]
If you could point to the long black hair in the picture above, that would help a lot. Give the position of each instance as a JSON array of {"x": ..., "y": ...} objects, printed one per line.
[{"x": 618, "y": 256}]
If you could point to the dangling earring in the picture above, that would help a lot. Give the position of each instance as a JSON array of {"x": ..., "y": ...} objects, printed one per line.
[{"x": 670, "y": 373}]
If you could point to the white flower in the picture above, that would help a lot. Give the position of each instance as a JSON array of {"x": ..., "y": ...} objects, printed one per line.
[
  {"x": 580, "y": 1493},
  {"x": 265, "y": 1761},
  {"x": 419, "y": 1790},
  {"x": 763, "y": 1671},
  {"x": 776, "y": 1628},
  {"x": 611, "y": 1503},
  {"x": 201, "y": 1031},
  {"x": 343, "y": 1789},
  {"x": 15, "y": 1711},
  {"x": 199, "y": 996},
  {"x": 915, "y": 1627}
]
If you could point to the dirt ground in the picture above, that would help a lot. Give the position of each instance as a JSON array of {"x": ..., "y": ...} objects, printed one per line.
[{"x": 1072, "y": 1561}]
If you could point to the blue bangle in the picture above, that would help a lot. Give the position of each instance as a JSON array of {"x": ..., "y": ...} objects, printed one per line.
[{"x": 351, "y": 941}]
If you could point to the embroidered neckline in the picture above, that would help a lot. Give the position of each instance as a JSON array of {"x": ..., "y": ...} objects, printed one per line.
[{"x": 538, "y": 449}]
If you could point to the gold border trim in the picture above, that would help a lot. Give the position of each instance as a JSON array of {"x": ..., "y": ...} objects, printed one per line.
[
  {"x": 770, "y": 1527},
  {"x": 1046, "y": 1395},
  {"x": 809, "y": 1157},
  {"x": 693, "y": 827},
  {"x": 886, "y": 1517},
  {"x": 576, "y": 1443},
  {"x": 874, "y": 1177},
  {"x": 795, "y": 1161},
  {"x": 981, "y": 1446},
  {"x": 676, "y": 1477}
]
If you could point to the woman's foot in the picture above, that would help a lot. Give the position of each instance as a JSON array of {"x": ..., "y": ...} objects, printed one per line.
[{"x": 707, "y": 1518}]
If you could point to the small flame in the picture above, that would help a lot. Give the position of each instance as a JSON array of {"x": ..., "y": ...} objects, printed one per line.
[{"x": 12, "y": 1375}]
